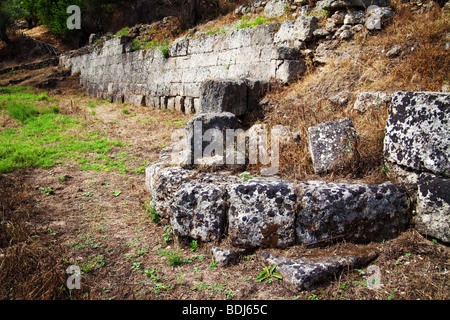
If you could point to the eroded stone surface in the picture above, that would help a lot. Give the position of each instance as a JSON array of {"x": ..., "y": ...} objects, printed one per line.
[
  {"x": 207, "y": 130},
  {"x": 418, "y": 131},
  {"x": 219, "y": 95},
  {"x": 198, "y": 211},
  {"x": 338, "y": 4},
  {"x": 358, "y": 213},
  {"x": 164, "y": 183},
  {"x": 307, "y": 273},
  {"x": 226, "y": 257},
  {"x": 330, "y": 142},
  {"x": 261, "y": 213},
  {"x": 432, "y": 214},
  {"x": 368, "y": 100}
]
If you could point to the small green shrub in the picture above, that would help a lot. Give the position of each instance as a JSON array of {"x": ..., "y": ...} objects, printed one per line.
[
  {"x": 123, "y": 32},
  {"x": 153, "y": 215},
  {"x": 20, "y": 110},
  {"x": 268, "y": 274}
]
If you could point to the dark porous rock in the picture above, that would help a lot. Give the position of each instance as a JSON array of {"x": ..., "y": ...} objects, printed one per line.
[
  {"x": 331, "y": 142},
  {"x": 164, "y": 183},
  {"x": 198, "y": 211},
  {"x": 359, "y": 213},
  {"x": 418, "y": 131},
  {"x": 308, "y": 273},
  {"x": 261, "y": 213},
  {"x": 432, "y": 214},
  {"x": 220, "y": 95}
]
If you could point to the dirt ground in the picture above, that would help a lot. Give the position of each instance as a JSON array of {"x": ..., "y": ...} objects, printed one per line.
[{"x": 97, "y": 220}]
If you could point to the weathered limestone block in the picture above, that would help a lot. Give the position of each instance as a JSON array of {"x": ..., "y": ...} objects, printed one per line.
[
  {"x": 355, "y": 17},
  {"x": 171, "y": 103},
  {"x": 205, "y": 138},
  {"x": 261, "y": 214},
  {"x": 218, "y": 95},
  {"x": 305, "y": 27},
  {"x": 331, "y": 142},
  {"x": 288, "y": 53},
  {"x": 307, "y": 273},
  {"x": 368, "y": 100},
  {"x": 418, "y": 131},
  {"x": 337, "y": 4},
  {"x": 151, "y": 174},
  {"x": 179, "y": 48},
  {"x": 432, "y": 213},
  {"x": 263, "y": 34},
  {"x": 198, "y": 211},
  {"x": 286, "y": 32},
  {"x": 226, "y": 257},
  {"x": 376, "y": 16},
  {"x": 179, "y": 103},
  {"x": 256, "y": 89},
  {"x": 275, "y": 8},
  {"x": 163, "y": 183},
  {"x": 239, "y": 38},
  {"x": 289, "y": 71},
  {"x": 354, "y": 212},
  {"x": 135, "y": 100}
]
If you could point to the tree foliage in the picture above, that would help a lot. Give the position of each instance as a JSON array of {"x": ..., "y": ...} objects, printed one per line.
[{"x": 10, "y": 10}]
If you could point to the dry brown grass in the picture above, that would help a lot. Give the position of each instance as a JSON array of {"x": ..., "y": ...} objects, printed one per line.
[
  {"x": 362, "y": 66},
  {"x": 29, "y": 267}
]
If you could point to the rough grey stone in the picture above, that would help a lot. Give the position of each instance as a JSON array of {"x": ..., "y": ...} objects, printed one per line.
[
  {"x": 256, "y": 89},
  {"x": 226, "y": 257},
  {"x": 163, "y": 183},
  {"x": 306, "y": 25},
  {"x": 337, "y": 4},
  {"x": 198, "y": 211},
  {"x": 432, "y": 213},
  {"x": 307, "y": 273},
  {"x": 289, "y": 53},
  {"x": 261, "y": 213},
  {"x": 331, "y": 142},
  {"x": 286, "y": 32},
  {"x": 218, "y": 95},
  {"x": 376, "y": 16},
  {"x": 215, "y": 124},
  {"x": 394, "y": 51},
  {"x": 346, "y": 34},
  {"x": 289, "y": 71},
  {"x": 417, "y": 132},
  {"x": 275, "y": 8},
  {"x": 353, "y": 212},
  {"x": 321, "y": 33},
  {"x": 368, "y": 100},
  {"x": 355, "y": 17}
]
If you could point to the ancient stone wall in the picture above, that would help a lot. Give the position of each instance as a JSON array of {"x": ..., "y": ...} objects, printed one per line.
[{"x": 114, "y": 71}]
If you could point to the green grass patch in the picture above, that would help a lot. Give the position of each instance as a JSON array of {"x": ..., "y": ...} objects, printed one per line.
[
  {"x": 245, "y": 23},
  {"x": 123, "y": 32},
  {"x": 43, "y": 138},
  {"x": 160, "y": 45}
]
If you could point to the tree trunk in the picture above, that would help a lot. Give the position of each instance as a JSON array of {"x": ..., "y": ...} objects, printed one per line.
[{"x": 4, "y": 35}]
